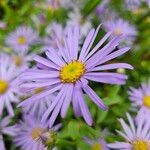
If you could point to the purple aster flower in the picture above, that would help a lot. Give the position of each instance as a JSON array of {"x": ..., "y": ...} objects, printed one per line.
[
  {"x": 35, "y": 135},
  {"x": 140, "y": 99},
  {"x": 7, "y": 130},
  {"x": 132, "y": 4},
  {"x": 137, "y": 137},
  {"x": 8, "y": 84},
  {"x": 99, "y": 144},
  {"x": 21, "y": 39},
  {"x": 148, "y": 2},
  {"x": 51, "y": 5},
  {"x": 21, "y": 61},
  {"x": 103, "y": 7},
  {"x": 39, "y": 20},
  {"x": 76, "y": 18},
  {"x": 69, "y": 70},
  {"x": 120, "y": 26},
  {"x": 55, "y": 32}
]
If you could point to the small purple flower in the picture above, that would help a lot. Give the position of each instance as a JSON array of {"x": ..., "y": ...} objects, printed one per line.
[
  {"x": 7, "y": 130},
  {"x": 99, "y": 144},
  {"x": 21, "y": 61},
  {"x": 51, "y": 5},
  {"x": 140, "y": 99},
  {"x": 35, "y": 135},
  {"x": 136, "y": 136},
  {"x": 148, "y": 2},
  {"x": 55, "y": 32},
  {"x": 102, "y": 8},
  {"x": 8, "y": 84},
  {"x": 21, "y": 39},
  {"x": 76, "y": 18},
  {"x": 121, "y": 27},
  {"x": 132, "y": 4},
  {"x": 69, "y": 70}
]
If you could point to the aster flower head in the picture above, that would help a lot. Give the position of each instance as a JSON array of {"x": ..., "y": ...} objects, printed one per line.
[
  {"x": 148, "y": 2},
  {"x": 21, "y": 39},
  {"x": 21, "y": 62},
  {"x": 132, "y": 4},
  {"x": 8, "y": 84},
  {"x": 35, "y": 135},
  {"x": 5, "y": 129},
  {"x": 136, "y": 136},
  {"x": 76, "y": 18},
  {"x": 102, "y": 8},
  {"x": 51, "y": 5},
  {"x": 140, "y": 99},
  {"x": 55, "y": 32},
  {"x": 120, "y": 26},
  {"x": 69, "y": 70},
  {"x": 98, "y": 144}
]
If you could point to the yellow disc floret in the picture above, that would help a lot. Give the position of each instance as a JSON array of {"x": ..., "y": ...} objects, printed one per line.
[
  {"x": 96, "y": 146},
  {"x": 140, "y": 145},
  {"x": 36, "y": 133},
  {"x": 147, "y": 101},
  {"x": 3, "y": 86},
  {"x": 21, "y": 40},
  {"x": 18, "y": 60},
  {"x": 118, "y": 31},
  {"x": 72, "y": 72}
]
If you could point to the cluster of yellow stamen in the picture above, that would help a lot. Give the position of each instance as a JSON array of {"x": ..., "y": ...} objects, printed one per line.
[
  {"x": 81, "y": 21},
  {"x": 140, "y": 145},
  {"x": 36, "y": 133},
  {"x": 18, "y": 60},
  {"x": 96, "y": 146},
  {"x": 21, "y": 40},
  {"x": 147, "y": 101},
  {"x": 118, "y": 31},
  {"x": 3, "y": 86},
  {"x": 72, "y": 72}
]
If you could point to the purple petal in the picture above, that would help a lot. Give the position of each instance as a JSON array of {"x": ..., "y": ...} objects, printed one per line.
[
  {"x": 98, "y": 45},
  {"x": 111, "y": 66},
  {"x": 67, "y": 100},
  {"x": 84, "y": 109},
  {"x": 60, "y": 95},
  {"x": 46, "y": 62},
  {"x": 94, "y": 97},
  {"x": 39, "y": 96},
  {"x": 86, "y": 44}
]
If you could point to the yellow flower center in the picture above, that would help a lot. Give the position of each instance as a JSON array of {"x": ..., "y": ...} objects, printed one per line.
[
  {"x": 36, "y": 133},
  {"x": 81, "y": 21},
  {"x": 96, "y": 146},
  {"x": 3, "y": 86},
  {"x": 21, "y": 40},
  {"x": 39, "y": 90},
  {"x": 140, "y": 145},
  {"x": 50, "y": 8},
  {"x": 147, "y": 101},
  {"x": 72, "y": 72},
  {"x": 117, "y": 31},
  {"x": 18, "y": 60}
]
